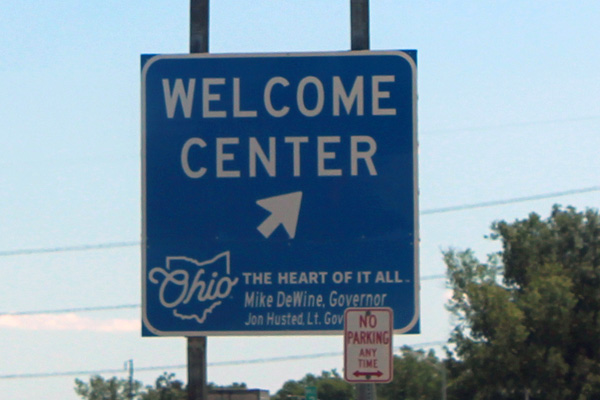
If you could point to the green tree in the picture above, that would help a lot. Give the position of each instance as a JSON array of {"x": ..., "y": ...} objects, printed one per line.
[
  {"x": 417, "y": 376},
  {"x": 166, "y": 387},
  {"x": 330, "y": 386},
  {"x": 99, "y": 388},
  {"x": 528, "y": 319}
]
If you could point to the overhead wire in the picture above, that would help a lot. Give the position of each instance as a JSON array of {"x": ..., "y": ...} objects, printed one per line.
[
  {"x": 77, "y": 310},
  {"x": 62, "y": 249},
  {"x": 70, "y": 310},
  {"x": 431, "y": 211},
  {"x": 131, "y": 243},
  {"x": 110, "y": 245},
  {"x": 510, "y": 201},
  {"x": 228, "y": 363},
  {"x": 511, "y": 125}
]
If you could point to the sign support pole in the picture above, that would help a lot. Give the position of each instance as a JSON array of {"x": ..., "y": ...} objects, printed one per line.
[
  {"x": 196, "y": 353},
  {"x": 359, "y": 37},
  {"x": 359, "y": 24},
  {"x": 196, "y": 346},
  {"x": 199, "y": 26},
  {"x": 366, "y": 391}
]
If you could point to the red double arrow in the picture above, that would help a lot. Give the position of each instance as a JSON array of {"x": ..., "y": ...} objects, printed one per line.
[{"x": 367, "y": 374}]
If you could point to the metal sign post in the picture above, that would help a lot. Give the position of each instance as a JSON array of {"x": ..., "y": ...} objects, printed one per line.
[
  {"x": 360, "y": 40},
  {"x": 199, "y": 19},
  {"x": 359, "y": 24},
  {"x": 366, "y": 391},
  {"x": 196, "y": 346}
]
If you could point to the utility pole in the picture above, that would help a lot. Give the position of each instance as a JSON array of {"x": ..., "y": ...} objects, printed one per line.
[
  {"x": 196, "y": 346},
  {"x": 130, "y": 363}
]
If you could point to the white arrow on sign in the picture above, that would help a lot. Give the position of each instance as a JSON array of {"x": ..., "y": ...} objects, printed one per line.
[{"x": 284, "y": 209}]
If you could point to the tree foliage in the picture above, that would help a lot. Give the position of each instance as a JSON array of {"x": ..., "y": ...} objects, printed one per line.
[
  {"x": 417, "y": 376},
  {"x": 99, "y": 388},
  {"x": 330, "y": 386},
  {"x": 528, "y": 319},
  {"x": 166, "y": 387}
]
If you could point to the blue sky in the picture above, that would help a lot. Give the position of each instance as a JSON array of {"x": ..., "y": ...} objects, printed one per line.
[{"x": 508, "y": 107}]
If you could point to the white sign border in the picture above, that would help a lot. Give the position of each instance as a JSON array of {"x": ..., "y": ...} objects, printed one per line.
[{"x": 416, "y": 237}]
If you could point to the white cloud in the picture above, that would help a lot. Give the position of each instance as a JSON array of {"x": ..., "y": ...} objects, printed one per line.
[{"x": 68, "y": 322}]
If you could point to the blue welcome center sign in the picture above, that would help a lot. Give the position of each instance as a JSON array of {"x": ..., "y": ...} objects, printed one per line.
[{"x": 278, "y": 190}]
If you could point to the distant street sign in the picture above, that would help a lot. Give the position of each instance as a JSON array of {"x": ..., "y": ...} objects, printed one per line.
[
  {"x": 368, "y": 334},
  {"x": 310, "y": 393},
  {"x": 278, "y": 190}
]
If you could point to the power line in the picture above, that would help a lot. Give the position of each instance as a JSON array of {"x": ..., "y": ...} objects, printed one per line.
[
  {"x": 112, "y": 245},
  {"x": 62, "y": 373},
  {"x": 124, "y": 244},
  {"x": 129, "y": 244},
  {"x": 509, "y": 201},
  {"x": 510, "y": 125},
  {"x": 71, "y": 310},
  {"x": 431, "y": 277},
  {"x": 263, "y": 360},
  {"x": 123, "y": 306},
  {"x": 83, "y": 247}
]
